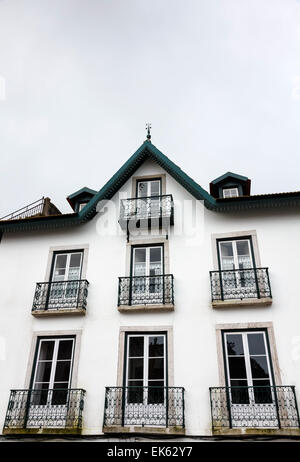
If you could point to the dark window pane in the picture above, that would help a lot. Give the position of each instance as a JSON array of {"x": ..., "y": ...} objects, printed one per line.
[
  {"x": 239, "y": 392},
  {"x": 256, "y": 344},
  {"x": 259, "y": 367},
  {"x": 156, "y": 346},
  {"x": 61, "y": 261},
  {"x": 234, "y": 344},
  {"x": 242, "y": 247},
  {"x": 135, "y": 392},
  {"x": 60, "y": 394},
  {"x": 156, "y": 392},
  {"x": 136, "y": 346},
  {"x": 156, "y": 368},
  {"x": 262, "y": 391},
  {"x": 135, "y": 368},
  {"x": 226, "y": 249},
  {"x": 39, "y": 395},
  {"x": 43, "y": 371},
  {"x": 75, "y": 260},
  {"x": 65, "y": 349},
  {"x": 46, "y": 351},
  {"x": 237, "y": 368},
  {"x": 155, "y": 254},
  {"x": 62, "y": 372}
]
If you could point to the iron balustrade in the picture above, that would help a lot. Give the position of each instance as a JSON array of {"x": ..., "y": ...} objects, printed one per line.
[
  {"x": 35, "y": 208},
  {"x": 146, "y": 290},
  {"x": 147, "y": 208},
  {"x": 63, "y": 295},
  {"x": 240, "y": 284},
  {"x": 142, "y": 406},
  {"x": 254, "y": 407},
  {"x": 53, "y": 408}
]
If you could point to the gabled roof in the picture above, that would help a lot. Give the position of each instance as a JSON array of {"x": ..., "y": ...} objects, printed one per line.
[
  {"x": 83, "y": 193},
  {"x": 229, "y": 175},
  {"x": 148, "y": 151}
]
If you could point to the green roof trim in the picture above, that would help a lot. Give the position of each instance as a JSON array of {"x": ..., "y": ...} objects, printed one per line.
[
  {"x": 82, "y": 190},
  {"x": 229, "y": 175},
  {"x": 148, "y": 151}
]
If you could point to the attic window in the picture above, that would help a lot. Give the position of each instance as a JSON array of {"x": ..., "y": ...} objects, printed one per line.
[
  {"x": 83, "y": 204},
  {"x": 230, "y": 192}
]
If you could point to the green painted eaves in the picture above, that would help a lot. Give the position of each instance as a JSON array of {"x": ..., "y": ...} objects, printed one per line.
[{"x": 148, "y": 151}]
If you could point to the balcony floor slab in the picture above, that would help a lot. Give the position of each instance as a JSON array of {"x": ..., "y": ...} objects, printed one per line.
[
  {"x": 145, "y": 308},
  {"x": 236, "y": 303}
]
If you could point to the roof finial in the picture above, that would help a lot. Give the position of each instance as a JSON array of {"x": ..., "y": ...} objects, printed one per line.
[{"x": 148, "y": 128}]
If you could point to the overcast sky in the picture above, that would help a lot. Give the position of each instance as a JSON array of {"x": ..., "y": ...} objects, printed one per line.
[{"x": 218, "y": 79}]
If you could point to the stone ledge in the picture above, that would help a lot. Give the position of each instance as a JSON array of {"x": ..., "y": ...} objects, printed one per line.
[
  {"x": 267, "y": 301},
  {"x": 59, "y": 312},
  {"x": 256, "y": 431},
  {"x": 42, "y": 431},
  {"x": 145, "y": 430},
  {"x": 145, "y": 308}
]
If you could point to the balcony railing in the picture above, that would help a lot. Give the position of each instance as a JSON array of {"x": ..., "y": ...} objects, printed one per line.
[
  {"x": 152, "y": 210},
  {"x": 240, "y": 284},
  {"x": 146, "y": 290},
  {"x": 55, "y": 409},
  {"x": 30, "y": 210},
  {"x": 142, "y": 406},
  {"x": 254, "y": 407},
  {"x": 60, "y": 296}
]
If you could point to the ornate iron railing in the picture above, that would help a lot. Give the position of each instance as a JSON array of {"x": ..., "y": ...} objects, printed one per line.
[
  {"x": 53, "y": 409},
  {"x": 64, "y": 295},
  {"x": 240, "y": 284},
  {"x": 254, "y": 407},
  {"x": 155, "y": 406},
  {"x": 35, "y": 208},
  {"x": 147, "y": 208},
  {"x": 146, "y": 290}
]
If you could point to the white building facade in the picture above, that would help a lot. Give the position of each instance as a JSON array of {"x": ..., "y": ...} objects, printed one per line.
[{"x": 155, "y": 307}]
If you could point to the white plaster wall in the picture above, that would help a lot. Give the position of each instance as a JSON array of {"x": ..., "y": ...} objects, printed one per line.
[{"x": 23, "y": 260}]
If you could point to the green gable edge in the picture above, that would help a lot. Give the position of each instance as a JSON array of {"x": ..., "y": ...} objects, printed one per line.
[
  {"x": 230, "y": 175},
  {"x": 84, "y": 189},
  {"x": 148, "y": 151}
]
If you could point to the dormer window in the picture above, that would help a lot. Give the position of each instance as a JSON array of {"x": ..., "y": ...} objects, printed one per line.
[
  {"x": 83, "y": 204},
  {"x": 230, "y": 192},
  {"x": 230, "y": 185}
]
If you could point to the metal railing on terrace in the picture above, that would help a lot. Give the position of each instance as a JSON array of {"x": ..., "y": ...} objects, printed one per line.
[
  {"x": 254, "y": 407},
  {"x": 35, "y": 208},
  {"x": 146, "y": 290},
  {"x": 240, "y": 284},
  {"x": 152, "y": 208},
  {"x": 64, "y": 295},
  {"x": 141, "y": 406},
  {"x": 53, "y": 409}
]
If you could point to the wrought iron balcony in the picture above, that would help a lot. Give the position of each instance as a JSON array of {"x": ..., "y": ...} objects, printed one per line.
[
  {"x": 240, "y": 284},
  {"x": 55, "y": 410},
  {"x": 254, "y": 407},
  {"x": 63, "y": 297},
  {"x": 149, "y": 211},
  {"x": 142, "y": 406},
  {"x": 146, "y": 290}
]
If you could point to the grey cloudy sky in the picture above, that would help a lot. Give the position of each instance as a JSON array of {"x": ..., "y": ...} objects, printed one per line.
[{"x": 218, "y": 79}]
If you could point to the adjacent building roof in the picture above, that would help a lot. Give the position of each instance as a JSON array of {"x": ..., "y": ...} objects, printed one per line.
[{"x": 148, "y": 151}]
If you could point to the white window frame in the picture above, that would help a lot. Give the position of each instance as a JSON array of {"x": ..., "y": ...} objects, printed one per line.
[
  {"x": 147, "y": 267},
  {"x": 233, "y": 192},
  {"x": 235, "y": 252},
  {"x": 149, "y": 181},
  {"x": 54, "y": 360},
  {"x": 146, "y": 358},
  {"x": 67, "y": 267},
  {"x": 247, "y": 356},
  {"x": 67, "y": 248}
]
